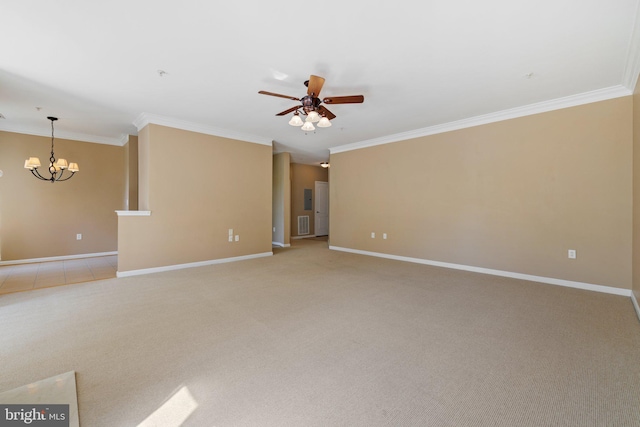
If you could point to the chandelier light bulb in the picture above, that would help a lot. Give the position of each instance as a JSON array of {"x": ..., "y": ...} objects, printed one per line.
[{"x": 308, "y": 126}]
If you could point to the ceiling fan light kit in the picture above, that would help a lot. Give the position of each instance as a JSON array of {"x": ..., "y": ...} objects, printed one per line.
[{"x": 310, "y": 105}]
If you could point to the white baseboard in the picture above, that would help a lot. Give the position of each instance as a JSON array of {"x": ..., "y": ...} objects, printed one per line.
[
  {"x": 541, "y": 279},
  {"x": 307, "y": 236},
  {"x": 282, "y": 245},
  {"x": 189, "y": 265},
  {"x": 635, "y": 304},
  {"x": 57, "y": 258}
]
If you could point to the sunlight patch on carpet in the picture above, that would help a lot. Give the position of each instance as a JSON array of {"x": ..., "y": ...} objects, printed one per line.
[{"x": 173, "y": 412}]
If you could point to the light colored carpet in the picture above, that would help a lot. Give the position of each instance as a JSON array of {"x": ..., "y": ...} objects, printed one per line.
[{"x": 312, "y": 337}]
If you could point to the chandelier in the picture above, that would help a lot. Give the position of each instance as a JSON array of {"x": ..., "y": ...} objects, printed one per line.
[{"x": 56, "y": 169}]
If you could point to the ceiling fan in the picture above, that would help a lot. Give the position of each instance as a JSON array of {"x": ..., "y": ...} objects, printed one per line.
[{"x": 310, "y": 105}]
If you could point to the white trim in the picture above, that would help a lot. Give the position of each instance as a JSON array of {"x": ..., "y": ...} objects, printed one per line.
[
  {"x": 541, "y": 279},
  {"x": 635, "y": 304},
  {"x": 74, "y": 136},
  {"x": 133, "y": 213},
  {"x": 146, "y": 118},
  {"x": 57, "y": 258},
  {"x": 189, "y": 265},
  {"x": 632, "y": 66},
  {"x": 306, "y": 236},
  {"x": 527, "y": 110},
  {"x": 282, "y": 245}
]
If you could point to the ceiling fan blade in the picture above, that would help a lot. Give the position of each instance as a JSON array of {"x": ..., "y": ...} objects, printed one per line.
[
  {"x": 278, "y": 95},
  {"x": 353, "y": 99},
  {"x": 315, "y": 85},
  {"x": 285, "y": 112},
  {"x": 326, "y": 113}
]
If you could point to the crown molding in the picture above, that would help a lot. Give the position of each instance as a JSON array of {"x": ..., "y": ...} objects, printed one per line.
[
  {"x": 527, "y": 110},
  {"x": 145, "y": 119},
  {"x": 74, "y": 136},
  {"x": 632, "y": 66}
]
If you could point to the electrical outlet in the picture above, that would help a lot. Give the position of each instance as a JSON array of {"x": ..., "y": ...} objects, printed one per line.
[
  {"x": 78, "y": 236},
  {"x": 373, "y": 235},
  {"x": 572, "y": 254},
  {"x": 274, "y": 229},
  {"x": 237, "y": 238},
  {"x": 384, "y": 236}
]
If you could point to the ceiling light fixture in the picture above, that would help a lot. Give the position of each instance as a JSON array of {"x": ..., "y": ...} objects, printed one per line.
[
  {"x": 56, "y": 169},
  {"x": 296, "y": 120},
  {"x": 324, "y": 123},
  {"x": 324, "y": 164},
  {"x": 308, "y": 126},
  {"x": 313, "y": 117}
]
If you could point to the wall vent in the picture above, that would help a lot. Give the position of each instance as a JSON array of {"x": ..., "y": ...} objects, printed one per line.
[{"x": 303, "y": 225}]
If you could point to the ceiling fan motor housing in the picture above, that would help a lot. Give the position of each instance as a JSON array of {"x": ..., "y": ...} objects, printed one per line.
[{"x": 310, "y": 103}]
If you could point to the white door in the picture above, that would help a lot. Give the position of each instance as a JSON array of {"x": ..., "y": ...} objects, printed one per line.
[{"x": 321, "y": 223}]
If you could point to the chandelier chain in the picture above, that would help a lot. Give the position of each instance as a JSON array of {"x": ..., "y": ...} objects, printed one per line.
[{"x": 52, "y": 159}]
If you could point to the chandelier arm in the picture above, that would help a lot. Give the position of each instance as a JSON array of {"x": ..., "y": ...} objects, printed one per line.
[
  {"x": 37, "y": 175},
  {"x": 69, "y": 177}
]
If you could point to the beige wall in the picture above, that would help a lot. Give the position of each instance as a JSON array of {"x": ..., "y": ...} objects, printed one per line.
[
  {"x": 304, "y": 176},
  {"x": 636, "y": 192},
  {"x": 39, "y": 219},
  {"x": 511, "y": 196},
  {"x": 281, "y": 206},
  {"x": 198, "y": 186}
]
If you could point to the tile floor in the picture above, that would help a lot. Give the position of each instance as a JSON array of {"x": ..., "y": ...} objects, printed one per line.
[{"x": 24, "y": 277}]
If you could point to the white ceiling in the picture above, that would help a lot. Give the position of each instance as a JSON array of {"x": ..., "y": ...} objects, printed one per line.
[{"x": 94, "y": 64}]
